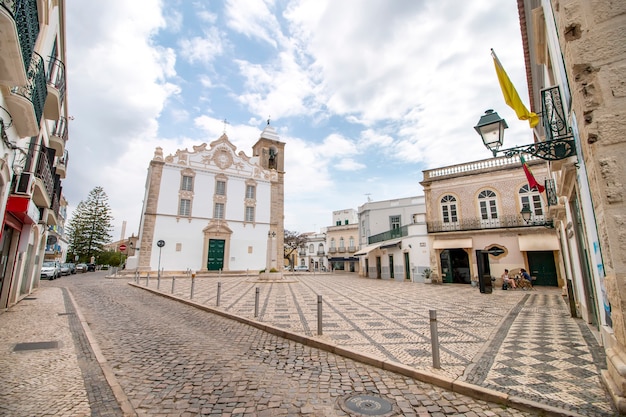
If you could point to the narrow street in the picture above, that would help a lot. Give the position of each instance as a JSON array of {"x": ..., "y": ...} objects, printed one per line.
[{"x": 174, "y": 360}]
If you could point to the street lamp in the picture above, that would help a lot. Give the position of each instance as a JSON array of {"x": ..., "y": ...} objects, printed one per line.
[
  {"x": 526, "y": 213},
  {"x": 491, "y": 127},
  {"x": 527, "y": 216}
]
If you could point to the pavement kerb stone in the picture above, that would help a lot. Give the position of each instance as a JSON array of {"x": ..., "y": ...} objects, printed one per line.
[
  {"x": 119, "y": 393},
  {"x": 455, "y": 385},
  {"x": 532, "y": 406},
  {"x": 424, "y": 376}
]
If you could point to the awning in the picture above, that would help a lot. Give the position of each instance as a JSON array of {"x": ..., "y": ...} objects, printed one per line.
[
  {"x": 367, "y": 249},
  {"x": 390, "y": 243},
  {"x": 453, "y": 243},
  {"x": 530, "y": 243}
]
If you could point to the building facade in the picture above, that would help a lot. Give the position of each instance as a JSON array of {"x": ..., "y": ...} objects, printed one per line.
[
  {"x": 214, "y": 209},
  {"x": 34, "y": 132},
  {"x": 342, "y": 240},
  {"x": 474, "y": 213},
  {"x": 576, "y": 65},
  {"x": 313, "y": 254},
  {"x": 393, "y": 239}
]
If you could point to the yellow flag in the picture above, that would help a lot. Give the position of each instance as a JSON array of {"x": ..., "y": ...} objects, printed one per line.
[{"x": 510, "y": 95}]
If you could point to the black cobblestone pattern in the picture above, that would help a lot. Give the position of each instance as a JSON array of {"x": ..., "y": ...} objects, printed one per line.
[
  {"x": 174, "y": 360},
  {"x": 101, "y": 399},
  {"x": 531, "y": 336}
]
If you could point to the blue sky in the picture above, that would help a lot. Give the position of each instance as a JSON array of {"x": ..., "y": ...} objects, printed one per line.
[{"x": 365, "y": 93}]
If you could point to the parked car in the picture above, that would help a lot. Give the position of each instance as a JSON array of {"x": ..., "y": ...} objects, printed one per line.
[
  {"x": 301, "y": 268},
  {"x": 91, "y": 267},
  {"x": 50, "y": 270},
  {"x": 72, "y": 267},
  {"x": 81, "y": 268},
  {"x": 65, "y": 269}
]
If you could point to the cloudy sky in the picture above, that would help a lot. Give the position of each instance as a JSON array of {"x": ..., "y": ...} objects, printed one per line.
[{"x": 365, "y": 93}]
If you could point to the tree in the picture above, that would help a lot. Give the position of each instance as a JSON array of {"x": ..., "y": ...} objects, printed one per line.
[
  {"x": 293, "y": 241},
  {"x": 90, "y": 227}
]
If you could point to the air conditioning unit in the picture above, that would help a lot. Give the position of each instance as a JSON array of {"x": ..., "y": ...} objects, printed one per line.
[{"x": 25, "y": 184}]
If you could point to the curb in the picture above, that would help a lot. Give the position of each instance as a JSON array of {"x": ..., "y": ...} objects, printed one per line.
[
  {"x": 454, "y": 385},
  {"x": 118, "y": 392}
]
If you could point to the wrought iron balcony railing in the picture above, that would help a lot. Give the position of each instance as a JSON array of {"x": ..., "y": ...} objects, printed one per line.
[
  {"x": 389, "y": 234},
  {"x": 477, "y": 223},
  {"x": 26, "y": 18},
  {"x": 35, "y": 90},
  {"x": 56, "y": 76}
]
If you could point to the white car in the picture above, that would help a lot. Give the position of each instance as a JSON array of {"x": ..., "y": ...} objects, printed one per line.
[
  {"x": 50, "y": 270},
  {"x": 301, "y": 268}
]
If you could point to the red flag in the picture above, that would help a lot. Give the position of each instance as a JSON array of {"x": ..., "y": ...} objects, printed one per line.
[{"x": 532, "y": 182}]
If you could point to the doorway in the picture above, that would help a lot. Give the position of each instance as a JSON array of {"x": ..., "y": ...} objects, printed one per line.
[
  {"x": 541, "y": 266},
  {"x": 455, "y": 266},
  {"x": 215, "y": 261}
]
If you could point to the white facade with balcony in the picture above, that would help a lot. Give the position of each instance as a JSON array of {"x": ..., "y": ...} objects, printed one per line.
[{"x": 393, "y": 239}]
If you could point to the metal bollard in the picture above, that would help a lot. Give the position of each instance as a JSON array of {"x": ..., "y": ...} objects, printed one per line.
[
  {"x": 256, "y": 302},
  {"x": 193, "y": 283},
  {"x": 219, "y": 291},
  {"x": 434, "y": 338},
  {"x": 319, "y": 315},
  {"x": 147, "y": 279},
  {"x": 173, "y": 282}
]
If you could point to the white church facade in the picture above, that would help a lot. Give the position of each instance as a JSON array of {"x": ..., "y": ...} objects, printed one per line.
[{"x": 214, "y": 209}]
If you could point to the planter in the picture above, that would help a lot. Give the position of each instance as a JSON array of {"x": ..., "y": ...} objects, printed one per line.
[{"x": 428, "y": 281}]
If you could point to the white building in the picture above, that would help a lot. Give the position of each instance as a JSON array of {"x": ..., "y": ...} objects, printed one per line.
[
  {"x": 342, "y": 240},
  {"x": 214, "y": 208},
  {"x": 393, "y": 239},
  {"x": 33, "y": 133}
]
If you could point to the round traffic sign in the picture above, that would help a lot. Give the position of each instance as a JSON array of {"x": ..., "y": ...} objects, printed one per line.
[
  {"x": 161, "y": 243},
  {"x": 122, "y": 247}
]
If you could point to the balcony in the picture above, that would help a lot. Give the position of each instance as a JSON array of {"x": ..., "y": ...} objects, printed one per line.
[
  {"x": 321, "y": 253},
  {"x": 352, "y": 248},
  {"x": 58, "y": 136},
  {"x": 332, "y": 250},
  {"x": 61, "y": 165},
  {"x": 342, "y": 249},
  {"x": 26, "y": 102},
  {"x": 56, "y": 89},
  {"x": 389, "y": 234},
  {"x": 504, "y": 222},
  {"x": 37, "y": 181},
  {"x": 19, "y": 28}
]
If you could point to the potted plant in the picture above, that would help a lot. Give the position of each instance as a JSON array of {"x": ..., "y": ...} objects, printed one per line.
[{"x": 426, "y": 273}]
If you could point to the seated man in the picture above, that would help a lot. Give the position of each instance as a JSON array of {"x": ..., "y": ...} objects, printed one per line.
[
  {"x": 526, "y": 279},
  {"x": 506, "y": 279}
]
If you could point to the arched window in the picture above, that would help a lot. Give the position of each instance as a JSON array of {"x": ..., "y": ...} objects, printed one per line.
[
  {"x": 448, "y": 209},
  {"x": 532, "y": 198},
  {"x": 332, "y": 243},
  {"x": 341, "y": 242},
  {"x": 311, "y": 248},
  {"x": 488, "y": 206}
]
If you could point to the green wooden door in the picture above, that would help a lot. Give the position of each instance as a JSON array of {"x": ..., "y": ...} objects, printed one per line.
[
  {"x": 541, "y": 265},
  {"x": 215, "y": 261}
]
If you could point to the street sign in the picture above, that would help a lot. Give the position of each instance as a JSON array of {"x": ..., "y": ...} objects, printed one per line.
[{"x": 122, "y": 247}]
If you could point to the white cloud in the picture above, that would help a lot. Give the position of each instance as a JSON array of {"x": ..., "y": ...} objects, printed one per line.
[
  {"x": 202, "y": 49},
  {"x": 254, "y": 19}
]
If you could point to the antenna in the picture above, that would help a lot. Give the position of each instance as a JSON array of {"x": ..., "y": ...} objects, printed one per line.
[{"x": 225, "y": 123}]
